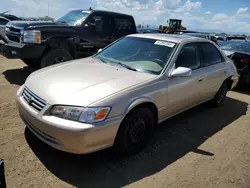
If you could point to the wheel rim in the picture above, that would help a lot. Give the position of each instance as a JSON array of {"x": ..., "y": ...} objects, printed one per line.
[
  {"x": 59, "y": 60},
  {"x": 136, "y": 131},
  {"x": 221, "y": 94}
]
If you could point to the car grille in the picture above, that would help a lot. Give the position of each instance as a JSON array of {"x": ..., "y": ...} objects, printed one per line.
[
  {"x": 13, "y": 38},
  {"x": 33, "y": 100},
  {"x": 13, "y": 34}
]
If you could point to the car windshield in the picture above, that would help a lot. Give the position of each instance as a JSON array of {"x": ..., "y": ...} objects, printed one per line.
[
  {"x": 138, "y": 54},
  {"x": 233, "y": 45},
  {"x": 74, "y": 17}
]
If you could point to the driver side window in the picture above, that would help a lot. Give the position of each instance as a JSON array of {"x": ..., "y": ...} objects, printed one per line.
[{"x": 189, "y": 57}]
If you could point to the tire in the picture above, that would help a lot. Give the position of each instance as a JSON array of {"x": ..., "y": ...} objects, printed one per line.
[
  {"x": 220, "y": 95},
  {"x": 134, "y": 131},
  {"x": 33, "y": 63},
  {"x": 54, "y": 57}
]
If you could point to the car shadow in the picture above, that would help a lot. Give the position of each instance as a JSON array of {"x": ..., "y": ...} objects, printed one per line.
[
  {"x": 243, "y": 90},
  {"x": 18, "y": 76},
  {"x": 172, "y": 140}
]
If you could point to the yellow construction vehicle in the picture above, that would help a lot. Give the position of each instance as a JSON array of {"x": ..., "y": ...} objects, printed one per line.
[{"x": 174, "y": 25}]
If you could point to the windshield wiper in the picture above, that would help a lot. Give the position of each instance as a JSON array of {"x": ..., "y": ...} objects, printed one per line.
[
  {"x": 62, "y": 22},
  {"x": 119, "y": 63},
  {"x": 126, "y": 66}
]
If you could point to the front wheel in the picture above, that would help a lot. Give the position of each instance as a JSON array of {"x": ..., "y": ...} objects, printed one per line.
[
  {"x": 55, "y": 56},
  {"x": 220, "y": 95},
  {"x": 134, "y": 131}
]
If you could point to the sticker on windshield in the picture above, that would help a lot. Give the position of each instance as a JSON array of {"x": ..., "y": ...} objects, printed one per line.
[{"x": 164, "y": 43}]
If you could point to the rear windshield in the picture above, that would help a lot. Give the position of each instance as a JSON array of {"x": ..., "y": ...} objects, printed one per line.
[
  {"x": 243, "y": 46},
  {"x": 141, "y": 54}
]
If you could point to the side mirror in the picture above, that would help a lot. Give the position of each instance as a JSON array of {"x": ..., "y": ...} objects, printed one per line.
[
  {"x": 99, "y": 50},
  {"x": 181, "y": 72},
  {"x": 95, "y": 23},
  {"x": 91, "y": 24}
]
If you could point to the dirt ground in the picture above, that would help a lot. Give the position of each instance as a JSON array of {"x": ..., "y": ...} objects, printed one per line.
[{"x": 202, "y": 147}]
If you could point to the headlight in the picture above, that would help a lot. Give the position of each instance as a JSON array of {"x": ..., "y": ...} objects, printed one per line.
[
  {"x": 32, "y": 36},
  {"x": 86, "y": 115}
]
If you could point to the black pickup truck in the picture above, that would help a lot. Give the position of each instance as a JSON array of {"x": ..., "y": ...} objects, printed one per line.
[{"x": 77, "y": 34}]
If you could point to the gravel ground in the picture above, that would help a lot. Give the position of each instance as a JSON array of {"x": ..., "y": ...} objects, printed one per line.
[{"x": 202, "y": 147}]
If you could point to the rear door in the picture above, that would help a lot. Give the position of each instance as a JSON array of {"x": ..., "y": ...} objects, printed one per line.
[{"x": 214, "y": 69}]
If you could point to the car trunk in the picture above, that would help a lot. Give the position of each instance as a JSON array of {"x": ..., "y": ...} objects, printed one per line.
[{"x": 241, "y": 60}]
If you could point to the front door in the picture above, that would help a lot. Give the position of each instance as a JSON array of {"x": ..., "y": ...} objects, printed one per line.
[
  {"x": 185, "y": 92},
  {"x": 97, "y": 36}
]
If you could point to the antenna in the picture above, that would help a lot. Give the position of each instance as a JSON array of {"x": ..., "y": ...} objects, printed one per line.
[{"x": 48, "y": 7}]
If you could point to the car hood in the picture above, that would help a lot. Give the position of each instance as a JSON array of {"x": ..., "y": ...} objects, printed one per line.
[
  {"x": 25, "y": 24},
  {"x": 230, "y": 52},
  {"x": 82, "y": 82}
]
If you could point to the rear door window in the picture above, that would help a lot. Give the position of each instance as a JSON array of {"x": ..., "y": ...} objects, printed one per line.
[{"x": 211, "y": 54}]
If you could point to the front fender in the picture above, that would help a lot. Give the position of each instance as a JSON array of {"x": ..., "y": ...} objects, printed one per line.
[{"x": 70, "y": 44}]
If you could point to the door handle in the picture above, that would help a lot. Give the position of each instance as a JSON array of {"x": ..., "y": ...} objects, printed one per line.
[{"x": 225, "y": 72}]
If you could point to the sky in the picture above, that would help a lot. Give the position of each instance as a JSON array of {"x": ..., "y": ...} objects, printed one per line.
[{"x": 217, "y": 15}]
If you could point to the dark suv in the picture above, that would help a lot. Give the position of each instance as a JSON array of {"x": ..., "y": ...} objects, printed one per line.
[{"x": 78, "y": 33}]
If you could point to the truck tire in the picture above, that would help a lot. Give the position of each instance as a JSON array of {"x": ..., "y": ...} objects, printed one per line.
[
  {"x": 54, "y": 57},
  {"x": 33, "y": 63}
]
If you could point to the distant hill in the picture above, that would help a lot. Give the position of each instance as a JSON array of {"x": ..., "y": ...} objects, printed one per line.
[
  {"x": 45, "y": 18},
  {"x": 221, "y": 31},
  {"x": 210, "y": 30}
]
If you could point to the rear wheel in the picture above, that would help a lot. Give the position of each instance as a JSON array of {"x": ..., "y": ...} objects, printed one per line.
[
  {"x": 55, "y": 56},
  {"x": 33, "y": 63},
  {"x": 134, "y": 131},
  {"x": 220, "y": 95}
]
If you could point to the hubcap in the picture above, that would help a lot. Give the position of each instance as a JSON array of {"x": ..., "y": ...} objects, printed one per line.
[
  {"x": 136, "y": 131},
  {"x": 221, "y": 94},
  {"x": 59, "y": 60}
]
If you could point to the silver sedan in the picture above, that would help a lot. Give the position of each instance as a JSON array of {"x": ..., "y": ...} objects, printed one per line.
[{"x": 118, "y": 96}]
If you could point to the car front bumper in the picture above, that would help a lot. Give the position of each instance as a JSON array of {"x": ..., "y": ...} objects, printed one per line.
[
  {"x": 69, "y": 136},
  {"x": 14, "y": 50}
]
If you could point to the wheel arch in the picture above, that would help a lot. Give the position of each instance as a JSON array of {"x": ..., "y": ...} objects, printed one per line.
[
  {"x": 229, "y": 82},
  {"x": 144, "y": 102},
  {"x": 68, "y": 43}
]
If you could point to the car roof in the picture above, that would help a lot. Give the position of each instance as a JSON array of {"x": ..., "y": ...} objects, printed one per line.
[
  {"x": 169, "y": 37},
  {"x": 102, "y": 11}
]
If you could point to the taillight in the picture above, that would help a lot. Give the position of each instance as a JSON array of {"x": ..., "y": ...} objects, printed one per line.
[{"x": 246, "y": 61}]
